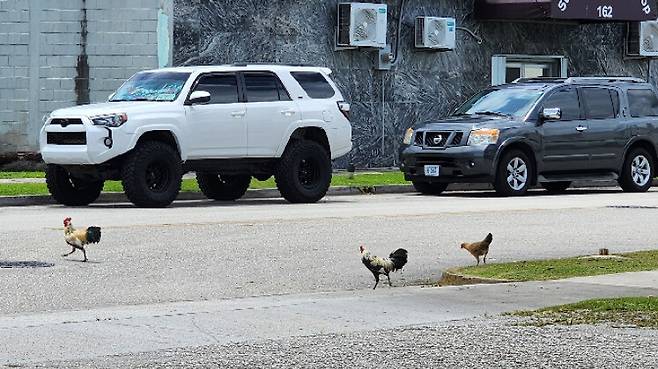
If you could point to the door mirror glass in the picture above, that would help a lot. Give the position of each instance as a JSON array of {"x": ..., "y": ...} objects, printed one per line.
[
  {"x": 551, "y": 114},
  {"x": 199, "y": 97}
]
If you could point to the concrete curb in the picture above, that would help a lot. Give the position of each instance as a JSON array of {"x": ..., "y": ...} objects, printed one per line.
[
  {"x": 117, "y": 197},
  {"x": 451, "y": 278},
  {"x": 273, "y": 193}
]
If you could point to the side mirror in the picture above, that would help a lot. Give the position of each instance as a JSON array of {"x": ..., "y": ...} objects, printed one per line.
[
  {"x": 551, "y": 114},
  {"x": 198, "y": 97}
]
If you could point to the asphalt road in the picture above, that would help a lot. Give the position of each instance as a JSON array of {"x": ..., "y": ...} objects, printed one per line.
[{"x": 204, "y": 251}]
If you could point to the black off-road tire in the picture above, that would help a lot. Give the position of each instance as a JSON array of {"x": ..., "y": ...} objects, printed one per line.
[
  {"x": 71, "y": 191},
  {"x": 427, "y": 188},
  {"x": 556, "y": 187},
  {"x": 222, "y": 188},
  {"x": 626, "y": 177},
  {"x": 303, "y": 174},
  {"x": 501, "y": 185},
  {"x": 152, "y": 175}
]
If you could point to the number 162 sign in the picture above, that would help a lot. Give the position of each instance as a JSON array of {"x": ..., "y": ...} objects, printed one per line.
[{"x": 604, "y": 10}]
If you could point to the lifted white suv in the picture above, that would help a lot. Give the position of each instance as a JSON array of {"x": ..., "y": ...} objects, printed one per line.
[{"x": 226, "y": 123}]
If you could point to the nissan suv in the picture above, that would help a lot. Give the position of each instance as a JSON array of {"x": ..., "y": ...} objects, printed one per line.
[
  {"x": 226, "y": 123},
  {"x": 550, "y": 132}
]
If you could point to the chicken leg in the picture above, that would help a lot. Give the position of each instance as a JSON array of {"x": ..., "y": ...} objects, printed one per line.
[
  {"x": 376, "y": 280},
  {"x": 389, "y": 280},
  {"x": 72, "y": 251}
]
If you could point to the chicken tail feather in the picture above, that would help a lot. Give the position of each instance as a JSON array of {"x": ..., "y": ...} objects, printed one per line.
[
  {"x": 399, "y": 258},
  {"x": 93, "y": 234}
]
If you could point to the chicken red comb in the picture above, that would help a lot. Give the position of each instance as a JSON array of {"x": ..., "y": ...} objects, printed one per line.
[{"x": 67, "y": 220}]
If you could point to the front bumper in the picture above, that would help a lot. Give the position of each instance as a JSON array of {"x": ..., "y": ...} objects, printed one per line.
[
  {"x": 461, "y": 164},
  {"x": 91, "y": 149}
]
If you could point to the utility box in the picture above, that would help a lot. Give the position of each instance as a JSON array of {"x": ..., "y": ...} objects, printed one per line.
[
  {"x": 362, "y": 25},
  {"x": 435, "y": 33}
]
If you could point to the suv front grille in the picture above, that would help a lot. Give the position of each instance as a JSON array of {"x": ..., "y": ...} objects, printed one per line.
[
  {"x": 66, "y": 138},
  {"x": 66, "y": 121},
  {"x": 438, "y": 139}
]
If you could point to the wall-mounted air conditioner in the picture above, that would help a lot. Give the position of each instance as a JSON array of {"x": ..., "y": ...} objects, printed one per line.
[
  {"x": 642, "y": 39},
  {"x": 362, "y": 25},
  {"x": 435, "y": 33}
]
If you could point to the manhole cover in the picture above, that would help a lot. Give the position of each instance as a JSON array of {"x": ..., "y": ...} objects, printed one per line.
[
  {"x": 24, "y": 264},
  {"x": 632, "y": 207}
]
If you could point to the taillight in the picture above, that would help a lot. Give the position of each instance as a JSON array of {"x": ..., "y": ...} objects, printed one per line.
[{"x": 344, "y": 108}]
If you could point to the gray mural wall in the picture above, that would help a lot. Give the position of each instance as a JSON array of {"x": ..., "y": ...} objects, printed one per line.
[{"x": 424, "y": 85}]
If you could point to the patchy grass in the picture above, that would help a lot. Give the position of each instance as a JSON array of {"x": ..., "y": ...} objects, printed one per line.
[
  {"x": 190, "y": 185},
  {"x": 542, "y": 270},
  {"x": 634, "y": 311},
  {"x": 15, "y": 175}
]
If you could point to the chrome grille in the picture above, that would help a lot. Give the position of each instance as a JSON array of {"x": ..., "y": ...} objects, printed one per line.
[{"x": 438, "y": 139}]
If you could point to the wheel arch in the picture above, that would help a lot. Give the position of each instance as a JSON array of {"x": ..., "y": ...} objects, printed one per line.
[
  {"x": 640, "y": 142},
  {"x": 518, "y": 144},
  {"x": 311, "y": 133},
  {"x": 161, "y": 135}
]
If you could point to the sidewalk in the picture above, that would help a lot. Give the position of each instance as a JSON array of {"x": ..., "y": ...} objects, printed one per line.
[{"x": 131, "y": 329}]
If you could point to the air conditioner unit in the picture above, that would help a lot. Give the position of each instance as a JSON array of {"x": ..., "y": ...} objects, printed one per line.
[
  {"x": 642, "y": 39},
  {"x": 435, "y": 33},
  {"x": 362, "y": 25}
]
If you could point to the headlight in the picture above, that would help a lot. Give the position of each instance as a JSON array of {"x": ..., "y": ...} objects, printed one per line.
[
  {"x": 110, "y": 120},
  {"x": 483, "y": 137},
  {"x": 408, "y": 136}
]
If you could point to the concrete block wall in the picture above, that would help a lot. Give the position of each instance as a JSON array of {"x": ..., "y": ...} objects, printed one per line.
[{"x": 59, "y": 53}]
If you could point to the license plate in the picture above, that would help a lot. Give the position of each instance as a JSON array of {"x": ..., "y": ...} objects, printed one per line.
[{"x": 432, "y": 170}]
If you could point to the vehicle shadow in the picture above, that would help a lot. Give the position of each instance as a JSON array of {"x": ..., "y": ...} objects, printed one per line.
[
  {"x": 531, "y": 193},
  {"x": 216, "y": 204}
]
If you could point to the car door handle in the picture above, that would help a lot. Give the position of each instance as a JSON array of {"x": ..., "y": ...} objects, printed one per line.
[
  {"x": 582, "y": 128},
  {"x": 288, "y": 112},
  {"x": 238, "y": 114}
]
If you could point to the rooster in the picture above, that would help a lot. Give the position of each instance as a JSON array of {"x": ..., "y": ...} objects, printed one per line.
[
  {"x": 384, "y": 266},
  {"x": 478, "y": 249},
  {"x": 79, "y": 238}
]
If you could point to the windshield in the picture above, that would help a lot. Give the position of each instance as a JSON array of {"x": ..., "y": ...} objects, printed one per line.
[
  {"x": 513, "y": 102},
  {"x": 151, "y": 86}
]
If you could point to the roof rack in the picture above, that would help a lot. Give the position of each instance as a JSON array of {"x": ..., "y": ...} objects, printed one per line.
[
  {"x": 604, "y": 80},
  {"x": 575, "y": 80},
  {"x": 244, "y": 64},
  {"x": 540, "y": 79}
]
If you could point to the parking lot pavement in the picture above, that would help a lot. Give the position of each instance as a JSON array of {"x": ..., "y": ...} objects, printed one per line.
[{"x": 203, "y": 251}]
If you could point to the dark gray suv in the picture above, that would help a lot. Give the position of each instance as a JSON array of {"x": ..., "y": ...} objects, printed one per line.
[{"x": 546, "y": 131}]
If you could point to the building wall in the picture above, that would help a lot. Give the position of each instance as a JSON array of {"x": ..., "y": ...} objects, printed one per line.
[
  {"x": 58, "y": 53},
  {"x": 424, "y": 86}
]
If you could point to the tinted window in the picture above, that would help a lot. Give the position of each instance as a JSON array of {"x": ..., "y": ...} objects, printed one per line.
[
  {"x": 598, "y": 103},
  {"x": 643, "y": 103},
  {"x": 223, "y": 88},
  {"x": 315, "y": 85},
  {"x": 264, "y": 87},
  {"x": 567, "y": 101}
]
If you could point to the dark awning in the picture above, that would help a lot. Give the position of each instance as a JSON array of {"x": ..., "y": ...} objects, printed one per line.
[{"x": 572, "y": 10}]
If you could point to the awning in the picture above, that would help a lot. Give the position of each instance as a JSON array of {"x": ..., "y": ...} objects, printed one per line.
[{"x": 569, "y": 10}]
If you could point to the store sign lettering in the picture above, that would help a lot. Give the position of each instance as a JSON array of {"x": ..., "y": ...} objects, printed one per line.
[{"x": 605, "y": 9}]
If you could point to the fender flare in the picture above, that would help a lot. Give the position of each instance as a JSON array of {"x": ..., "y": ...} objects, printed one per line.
[
  {"x": 175, "y": 132},
  {"x": 292, "y": 128}
]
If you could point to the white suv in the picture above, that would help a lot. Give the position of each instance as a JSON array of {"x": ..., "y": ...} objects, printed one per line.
[{"x": 226, "y": 123}]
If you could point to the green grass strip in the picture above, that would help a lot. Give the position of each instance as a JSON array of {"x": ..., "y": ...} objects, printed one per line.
[
  {"x": 541, "y": 270},
  {"x": 190, "y": 185},
  {"x": 635, "y": 311}
]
